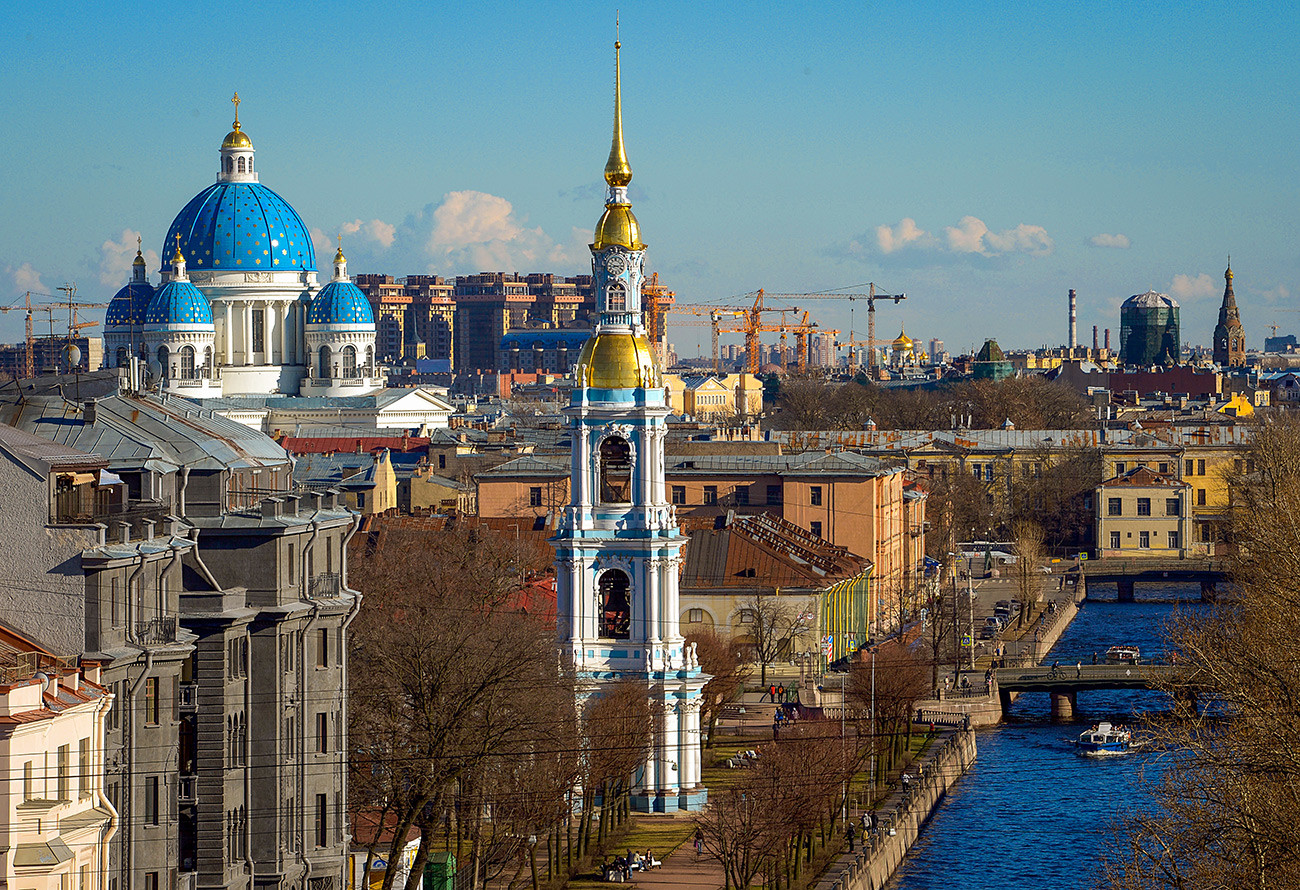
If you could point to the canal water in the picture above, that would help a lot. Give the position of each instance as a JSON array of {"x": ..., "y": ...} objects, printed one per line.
[{"x": 1031, "y": 812}]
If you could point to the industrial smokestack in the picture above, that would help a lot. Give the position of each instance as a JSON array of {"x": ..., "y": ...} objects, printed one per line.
[
  {"x": 1107, "y": 339},
  {"x": 1074, "y": 325},
  {"x": 1094, "y": 338}
]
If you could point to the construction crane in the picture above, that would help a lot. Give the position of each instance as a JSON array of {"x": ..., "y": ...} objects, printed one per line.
[
  {"x": 870, "y": 296},
  {"x": 658, "y": 300},
  {"x": 73, "y": 305},
  {"x": 713, "y": 318},
  {"x": 29, "y": 357}
]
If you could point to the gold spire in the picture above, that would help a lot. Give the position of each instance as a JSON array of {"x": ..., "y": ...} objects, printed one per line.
[
  {"x": 139, "y": 255},
  {"x": 618, "y": 172},
  {"x": 178, "y": 258},
  {"x": 237, "y": 138},
  {"x": 338, "y": 257},
  {"x": 1228, "y": 274}
]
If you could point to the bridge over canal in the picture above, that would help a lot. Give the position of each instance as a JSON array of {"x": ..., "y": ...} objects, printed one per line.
[
  {"x": 1125, "y": 572},
  {"x": 1065, "y": 682}
]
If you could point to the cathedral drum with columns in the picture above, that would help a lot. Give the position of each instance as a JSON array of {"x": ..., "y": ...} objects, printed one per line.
[
  {"x": 618, "y": 547},
  {"x": 249, "y": 257}
]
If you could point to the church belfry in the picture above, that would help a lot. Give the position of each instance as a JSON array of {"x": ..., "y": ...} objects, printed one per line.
[
  {"x": 618, "y": 547},
  {"x": 1229, "y": 336}
]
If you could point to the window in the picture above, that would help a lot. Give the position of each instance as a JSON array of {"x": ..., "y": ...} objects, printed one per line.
[
  {"x": 162, "y": 359},
  {"x": 815, "y": 528},
  {"x": 151, "y": 816},
  {"x": 616, "y": 299},
  {"x": 977, "y": 470},
  {"x": 710, "y": 494},
  {"x": 241, "y": 164},
  {"x": 615, "y": 607},
  {"x": 1187, "y": 468},
  {"x": 1164, "y": 469},
  {"x": 1144, "y": 506},
  {"x": 323, "y": 648},
  {"x": 746, "y": 616},
  {"x": 694, "y": 616},
  {"x": 535, "y": 496},
  {"x": 815, "y": 495},
  {"x": 151, "y": 880},
  {"x": 322, "y": 733},
  {"x": 115, "y": 596},
  {"x": 774, "y": 495},
  {"x": 1120, "y": 467},
  {"x": 293, "y": 562},
  {"x": 65, "y": 767},
  {"x": 1144, "y": 540},
  {"x": 151, "y": 701},
  {"x": 324, "y": 369},
  {"x": 615, "y": 471},
  {"x": 83, "y": 768},
  {"x": 1114, "y": 541},
  {"x": 1173, "y": 507},
  {"x": 1200, "y": 468},
  {"x": 322, "y": 821},
  {"x": 1237, "y": 465},
  {"x": 1114, "y": 507},
  {"x": 1173, "y": 540},
  {"x": 1200, "y": 497},
  {"x": 187, "y": 362},
  {"x": 741, "y": 494},
  {"x": 259, "y": 329},
  {"x": 349, "y": 362},
  {"x": 679, "y": 494},
  {"x": 442, "y": 461}
]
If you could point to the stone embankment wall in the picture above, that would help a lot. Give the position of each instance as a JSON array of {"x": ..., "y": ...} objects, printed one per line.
[{"x": 943, "y": 765}]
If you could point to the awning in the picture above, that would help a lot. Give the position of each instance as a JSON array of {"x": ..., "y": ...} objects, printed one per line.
[{"x": 107, "y": 478}]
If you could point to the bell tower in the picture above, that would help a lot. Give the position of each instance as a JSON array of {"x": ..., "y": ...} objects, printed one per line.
[
  {"x": 1229, "y": 336},
  {"x": 618, "y": 548}
]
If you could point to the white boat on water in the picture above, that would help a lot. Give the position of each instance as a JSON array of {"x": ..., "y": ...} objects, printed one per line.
[{"x": 1105, "y": 739}]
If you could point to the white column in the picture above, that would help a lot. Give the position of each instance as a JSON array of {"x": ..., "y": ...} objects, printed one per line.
[
  {"x": 282, "y": 312},
  {"x": 652, "y": 603},
  {"x": 230, "y": 334},
  {"x": 247, "y": 308},
  {"x": 271, "y": 332}
]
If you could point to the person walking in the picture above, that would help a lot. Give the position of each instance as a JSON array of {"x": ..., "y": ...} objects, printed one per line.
[
  {"x": 850, "y": 834},
  {"x": 780, "y": 692},
  {"x": 699, "y": 841},
  {"x": 771, "y": 691},
  {"x": 1078, "y": 670}
]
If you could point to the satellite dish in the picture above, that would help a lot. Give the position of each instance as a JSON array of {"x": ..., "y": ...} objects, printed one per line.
[
  {"x": 72, "y": 354},
  {"x": 155, "y": 369}
]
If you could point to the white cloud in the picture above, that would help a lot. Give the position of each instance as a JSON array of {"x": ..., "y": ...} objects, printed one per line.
[
  {"x": 1117, "y": 241},
  {"x": 1273, "y": 294},
  {"x": 971, "y": 235},
  {"x": 375, "y": 230},
  {"x": 323, "y": 244},
  {"x": 1187, "y": 287},
  {"x": 116, "y": 257},
  {"x": 481, "y": 231},
  {"x": 26, "y": 278},
  {"x": 906, "y": 233}
]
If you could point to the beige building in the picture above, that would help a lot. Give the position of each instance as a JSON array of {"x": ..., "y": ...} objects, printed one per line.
[
  {"x": 715, "y": 397},
  {"x": 57, "y": 820},
  {"x": 1143, "y": 514}
]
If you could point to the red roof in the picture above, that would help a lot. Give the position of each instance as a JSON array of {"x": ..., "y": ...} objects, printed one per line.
[{"x": 366, "y": 444}]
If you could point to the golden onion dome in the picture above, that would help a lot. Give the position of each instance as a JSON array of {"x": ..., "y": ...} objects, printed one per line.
[
  {"x": 237, "y": 138},
  {"x": 139, "y": 259},
  {"x": 339, "y": 257},
  {"x": 618, "y": 361},
  {"x": 903, "y": 343},
  {"x": 618, "y": 226}
]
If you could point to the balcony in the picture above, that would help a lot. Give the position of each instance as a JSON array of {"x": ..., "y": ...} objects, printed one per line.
[
  {"x": 187, "y": 698},
  {"x": 187, "y": 790},
  {"x": 325, "y": 585},
  {"x": 157, "y": 631}
]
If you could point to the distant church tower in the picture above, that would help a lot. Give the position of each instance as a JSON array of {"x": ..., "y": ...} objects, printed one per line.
[
  {"x": 1229, "y": 337},
  {"x": 618, "y": 548}
]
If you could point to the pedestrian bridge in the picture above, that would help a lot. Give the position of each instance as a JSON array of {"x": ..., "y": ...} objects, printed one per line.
[
  {"x": 1127, "y": 571},
  {"x": 1066, "y": 681}
]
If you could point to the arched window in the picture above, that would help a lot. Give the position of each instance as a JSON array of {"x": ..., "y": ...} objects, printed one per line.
[
  {"x": 250, "y": 163},
  {"x": 207, "y": 358},
  {"x": 241, "y": 163},
  {"x": 370, "y": 360},
  {"x": 615, "y": 607},
  {"x": 615, "y": 471},
  {"x": 324, "y": 361},
  {"x": 121, "y": 356},
  {"x": 162, "y": 360},
  {"x": 349, "y": 361},
  {"x": 187, "y": 362},
  {"x": 616, "y": 298},
  {"x": 230, "y": 165}
]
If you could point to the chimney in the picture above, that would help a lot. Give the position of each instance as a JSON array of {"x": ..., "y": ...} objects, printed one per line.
[
  {"x": 88, "y": 412},
  {"x": 1107, "y": 339},
  {"x": 315, "y": 500},
  {"x": 148, "y": 529},
  {"x": 124, "y": 532},
  {"x": 271, "y": 508},
  {"x": 1074, "y": 326},
  {"x": 292, "y": 501},
  {"x": 1094, "y": 338}
]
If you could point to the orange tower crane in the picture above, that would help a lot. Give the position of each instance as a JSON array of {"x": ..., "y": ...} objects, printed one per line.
[
  {"x": 870, "y": 296},
  {"x": 29, "y": 356}
]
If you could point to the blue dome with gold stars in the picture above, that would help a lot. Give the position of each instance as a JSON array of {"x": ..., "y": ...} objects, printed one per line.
[
  {"x": 128, "y": 306},
  {"x": 241, "y": 227},
  {"x": 179, "y": 305},
  {"x": 341, "y": 304}
]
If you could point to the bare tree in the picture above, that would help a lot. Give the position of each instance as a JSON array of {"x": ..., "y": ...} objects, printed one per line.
[
  {"x": 723, "y": 660},
  {"x": 899, "y": 680},
  {"x": 774, "y": 626},
  {"x": 1028, "y": 550}
]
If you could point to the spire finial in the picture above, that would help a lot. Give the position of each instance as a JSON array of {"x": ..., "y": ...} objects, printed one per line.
[
  {"x": 1228, "y": 273},
  {"x": 179, "y": 257},
  {"x": 618, "y": 172},
  {"x": 338, "y": 257},
  {"x": 235, "y": 100}
]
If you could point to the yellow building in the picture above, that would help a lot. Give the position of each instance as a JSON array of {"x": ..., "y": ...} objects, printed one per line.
[
  {"x": 715, "y": 397},
  {"x": 1143, "y": 514}
]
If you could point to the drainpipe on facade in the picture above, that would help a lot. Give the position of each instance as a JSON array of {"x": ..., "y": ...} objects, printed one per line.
[
  {"x": 343, "y": 674},
  {"x": 128, "y": 726},
  {"x": 109, "y": 831},
  {"x": 302, "y": 714}
]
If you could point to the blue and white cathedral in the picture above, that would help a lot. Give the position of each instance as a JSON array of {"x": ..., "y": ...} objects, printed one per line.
[
  {"x": 251, "y": 317},
  {"x": 618, "y": 547}
]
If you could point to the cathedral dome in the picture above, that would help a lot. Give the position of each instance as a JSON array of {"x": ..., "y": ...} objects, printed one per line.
[
  {"x": 179, "y": 305},
  {"x": 618, "y": 227},
  {"x": 128, "y": 306},
  {"x": 618, "y": 361},
  {"x": 903, "y": 343},
  {"x": 1150, "y": 300},
  {"x": 241, "y": 227},
  {"x": 341, "y": 304},
  {"x": 237, "y": 138}
]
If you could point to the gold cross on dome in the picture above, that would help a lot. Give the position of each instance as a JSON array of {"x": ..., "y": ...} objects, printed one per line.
[{"x": 235, "y": 100}]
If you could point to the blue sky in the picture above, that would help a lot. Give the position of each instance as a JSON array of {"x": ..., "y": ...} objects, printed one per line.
[{"x": 983, "y": 158}]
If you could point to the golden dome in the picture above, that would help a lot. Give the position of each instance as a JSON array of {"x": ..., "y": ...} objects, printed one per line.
[
  {"x": 139, "y": 259},
  {"x": 618, "y": 172},
  {"x": 903, "y": 343},
  {"x": 618, "y": 226},
  {"x": 237, "y": 138},
  {"x": 618, "y": 361}
]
